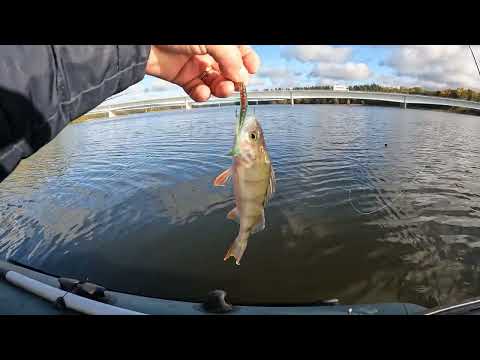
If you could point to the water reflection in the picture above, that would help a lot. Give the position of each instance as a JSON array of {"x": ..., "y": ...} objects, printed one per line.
[{"x": 129, "y": 203}]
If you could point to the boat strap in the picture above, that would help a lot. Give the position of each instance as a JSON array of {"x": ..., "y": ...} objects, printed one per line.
[{"x": 81, "y": 288}]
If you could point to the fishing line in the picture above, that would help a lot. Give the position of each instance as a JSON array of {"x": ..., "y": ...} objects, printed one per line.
[
  {"x": 388, "y": 203},
  {"x": 470, "y": 47}
]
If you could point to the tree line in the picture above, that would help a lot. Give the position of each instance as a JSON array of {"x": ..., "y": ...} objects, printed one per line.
[{"x": 459, "y": 93}]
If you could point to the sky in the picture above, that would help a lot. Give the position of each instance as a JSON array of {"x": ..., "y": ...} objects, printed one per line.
[{"x": 430, "y": 66}]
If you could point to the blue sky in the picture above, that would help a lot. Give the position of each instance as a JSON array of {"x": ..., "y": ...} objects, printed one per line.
[{"x": 433, "y": 67}]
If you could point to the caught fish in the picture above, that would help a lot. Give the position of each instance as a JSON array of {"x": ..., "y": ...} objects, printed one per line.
[{"x": 253, "y": 181}]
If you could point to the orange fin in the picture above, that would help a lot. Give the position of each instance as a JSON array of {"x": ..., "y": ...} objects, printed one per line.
[
  {"x": 237, "y": 248},
  {"x": 233, "y": 215},
  {"x": 223, "y": 178}
]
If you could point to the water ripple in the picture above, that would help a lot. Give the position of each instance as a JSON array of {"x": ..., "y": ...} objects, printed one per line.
[{"x": 130, "y": 203}]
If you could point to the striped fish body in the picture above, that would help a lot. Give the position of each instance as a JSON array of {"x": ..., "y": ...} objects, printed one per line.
[{"x": 253, "y": 184}]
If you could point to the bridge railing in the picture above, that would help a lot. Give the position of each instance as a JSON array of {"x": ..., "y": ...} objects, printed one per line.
[{"x": 300, "y": 94}]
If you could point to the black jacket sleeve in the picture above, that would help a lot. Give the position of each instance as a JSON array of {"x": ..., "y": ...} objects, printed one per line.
[{"x": 42, "y": 88}]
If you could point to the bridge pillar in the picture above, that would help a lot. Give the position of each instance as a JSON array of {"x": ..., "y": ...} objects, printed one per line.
[
  {"x": 188, "y": 106},
  {"x": 292, "y": 102},
  {"x": 404, "y": 102},
  {"x": 348, "y": 101},
  {"x": 110, "y": 114}
]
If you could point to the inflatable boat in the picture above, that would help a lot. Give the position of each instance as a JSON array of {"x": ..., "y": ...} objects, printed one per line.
[{"x": 24, "y": 291}]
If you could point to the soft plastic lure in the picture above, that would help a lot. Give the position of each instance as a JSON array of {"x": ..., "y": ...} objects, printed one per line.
[
  {"x": 243, "y": 103},
  {"x": 243, "y": 113}
]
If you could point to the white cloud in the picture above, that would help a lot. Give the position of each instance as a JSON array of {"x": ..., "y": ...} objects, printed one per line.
[
  {"x": 407, "y": 81},
  {"x": 279, "y": 77},
  {"x": 149, "y": 88},
  {"x": 315, "y": 53},
  {"x": 160, "y": 85},
  {"x": 257, "y": 83},
  {"x": 137, "y": 88},
  {"x": 274, "y": 73},
  {"x": 347, "y": 71},
  {"x": 436, "y": 66},
  {"x": 331, "y": 64}
]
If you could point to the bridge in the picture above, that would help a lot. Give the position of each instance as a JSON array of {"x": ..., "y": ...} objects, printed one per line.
[{"x": 291, "y": 95}]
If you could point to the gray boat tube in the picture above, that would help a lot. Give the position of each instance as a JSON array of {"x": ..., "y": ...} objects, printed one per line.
[
  {"x": 40, "y": 285},
  {"x": 70, "y": 301}
]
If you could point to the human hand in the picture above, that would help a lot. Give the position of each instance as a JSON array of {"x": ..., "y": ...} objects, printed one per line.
[{"x": 203, "y": 70}]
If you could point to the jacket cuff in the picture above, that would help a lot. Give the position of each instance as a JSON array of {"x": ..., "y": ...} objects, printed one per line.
[{"x": 134, "y": 58}]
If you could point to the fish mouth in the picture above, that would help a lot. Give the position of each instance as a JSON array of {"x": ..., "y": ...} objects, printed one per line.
[{"x": 250, "y": 121}]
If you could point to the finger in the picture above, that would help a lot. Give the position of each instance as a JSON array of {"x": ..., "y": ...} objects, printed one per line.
[
  {"x": 200, "y": 93},
  {"x": 230, "y": 62},
  {"x": 250, "y": 58},
  {"x": 197, "y": 90},
  {"x": 222, "y": 87},
  {"x": 209, "y": 76},
  {"x": 219, "y": 86},
  {"x": 192, "y": 69}
]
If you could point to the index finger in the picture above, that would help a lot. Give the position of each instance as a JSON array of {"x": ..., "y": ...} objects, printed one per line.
[
  {"x": 230, "y": 61},
  {"x": 250, "y": 58}
]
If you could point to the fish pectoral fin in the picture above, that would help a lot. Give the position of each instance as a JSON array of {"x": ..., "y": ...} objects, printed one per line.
[
  {"x": 223, "y": 178},
  {"x": 233, "y": 215},
  {"x": 237, "y": 248},
  {"x": 260, "y": 226}
]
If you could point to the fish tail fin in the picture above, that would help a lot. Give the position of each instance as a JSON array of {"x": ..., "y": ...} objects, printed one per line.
[{"x": 237, "y": 248}]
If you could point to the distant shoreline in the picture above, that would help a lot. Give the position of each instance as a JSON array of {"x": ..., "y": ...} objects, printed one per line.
[{"x": 448, "y": 109}]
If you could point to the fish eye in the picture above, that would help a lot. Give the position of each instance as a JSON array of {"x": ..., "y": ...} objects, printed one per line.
[{"x": 253, "y": 136}]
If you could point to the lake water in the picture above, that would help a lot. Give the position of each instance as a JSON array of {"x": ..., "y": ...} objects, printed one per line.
[{"x": 129, "y": 203}]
